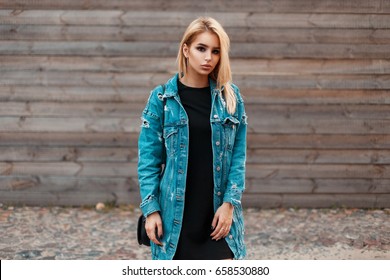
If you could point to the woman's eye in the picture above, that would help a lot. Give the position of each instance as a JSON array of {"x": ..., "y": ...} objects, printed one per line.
[
  {"x": 201, "y": 49},
  {"x": 215, "y": 51}
]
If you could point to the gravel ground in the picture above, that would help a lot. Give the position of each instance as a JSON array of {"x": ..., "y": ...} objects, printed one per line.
[{"x": 110, "y": 233}]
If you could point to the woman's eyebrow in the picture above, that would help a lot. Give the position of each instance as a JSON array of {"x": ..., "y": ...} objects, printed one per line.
[{"x": 206, "y": 46}]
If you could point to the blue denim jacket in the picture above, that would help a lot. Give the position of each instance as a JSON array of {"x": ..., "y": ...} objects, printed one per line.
[{"x": 163, "y": 189}]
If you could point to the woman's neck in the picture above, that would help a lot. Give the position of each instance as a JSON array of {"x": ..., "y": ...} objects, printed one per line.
[{"x": 198, "y": 81}]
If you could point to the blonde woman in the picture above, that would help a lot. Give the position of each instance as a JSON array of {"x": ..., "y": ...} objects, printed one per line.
[{"x": 192, "y": 152}]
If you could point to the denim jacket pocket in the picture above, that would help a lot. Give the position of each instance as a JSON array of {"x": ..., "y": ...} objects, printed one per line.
[
  {"x": 170, "y": 138},
  {"x": 230, "y": 127}
]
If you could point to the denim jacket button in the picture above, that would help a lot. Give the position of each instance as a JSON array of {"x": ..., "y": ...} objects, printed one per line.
[
  {"x": 218, "y": 168},
  {"x": 217, "y": 143},
  {"x": 230, "y": 236},
  {"x": 215, "y": 116},
  {"x": 219, "y": 193}
]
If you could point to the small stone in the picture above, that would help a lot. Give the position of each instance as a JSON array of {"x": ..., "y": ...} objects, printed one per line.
[
  {"x": 352, "y": 235},
  {"x": 100, "y": 206},
  {"x": 30, "y": 254}
]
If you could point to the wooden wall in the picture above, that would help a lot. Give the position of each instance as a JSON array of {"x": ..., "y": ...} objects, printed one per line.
[{"x": 315, "y": 75}]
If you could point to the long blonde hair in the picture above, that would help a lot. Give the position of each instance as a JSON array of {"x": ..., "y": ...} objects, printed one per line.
[{"x": 222, "y": 73}]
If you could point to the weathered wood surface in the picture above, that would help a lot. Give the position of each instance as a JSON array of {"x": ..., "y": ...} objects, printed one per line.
[
  {"x": 150, "y": 80},
  {"x": 262, "y": 156},
  {"x": 317, "y": 200},
  {"x": 131, "y": 124},
  {"x": 157, "y": 49},
  {"x": 17, "y": 93},
  {"x": 319, "y": 141},
  {"x": 317, "y": 186},
  {"x": 160, "y": 34},
  {"x": 75, "y": 76},
  {"x": 256, "y": 141},
  {"x": 204, "y": 6},
  {"x": 74, "y": 169},
  {"x": 257, "y": 111},
  {"x": 247, "y": 67},
  {"x": 67, "y": 154},
  {"x": 115, "y": 139}
]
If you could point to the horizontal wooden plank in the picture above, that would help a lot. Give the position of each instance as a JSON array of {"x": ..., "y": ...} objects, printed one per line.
[
  {"x": 247, "y": 67},
  {"x": 259, "y": 171},
  {"x": 132, "y": 124},
  {"x": 107, "y": 64},
  {"x": 73, "y": 198},
  {"x": 158, "y": 49},
  {"x": 253, "y": 186},
  {"x": 69, "y": 139},
  {"x": 317, "y": 201},
  {"x": 76, "y": 93},
  {"x": 149, "y": 80},
  {"x": 255, "y": 141},
  {"x": 263, "y": 156},
  {"x": 318, "y": 141},
  {"x": 318, "y": 126},
  {"x": 182, "y": 19},
  {"x": 316, "y": 186},
  {"x": 248, "y": 201},
  {"x": 60, "y": 184},
  {"x": 305, "y": 81},
  {"x": 316, "y": 156},
  {"x": 47, "y": 124},
  {"x": 118, "y": 33},
  {"x": 329, "y": 112},
  {"x": 69, "y": 154},
  {"x": 311, "y": 96},
  {"x": 20, "y": 93},
  {"x": 202, "y": 6},
  {"x": 291, "y": 67},
  {"x": 80, "y": 78},
  {"x": 134, "y": 110},
  {"x": 77, "y": 169},
  {"x": 323, "y": 171},
  {"x": 70, "y": 109},
  {"x": 104, "y": 33}
]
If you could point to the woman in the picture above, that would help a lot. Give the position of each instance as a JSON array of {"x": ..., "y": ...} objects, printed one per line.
[{"x": 195, "y": 127}]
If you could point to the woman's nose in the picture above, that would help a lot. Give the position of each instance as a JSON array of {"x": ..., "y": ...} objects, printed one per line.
[{"x": 208, "y": 56}]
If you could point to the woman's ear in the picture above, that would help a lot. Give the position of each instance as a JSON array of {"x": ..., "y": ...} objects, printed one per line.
[{"x": 185, "y": 50}]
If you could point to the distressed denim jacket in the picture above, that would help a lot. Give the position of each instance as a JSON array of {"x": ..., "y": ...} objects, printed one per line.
[{"x": 163, "y": 189}]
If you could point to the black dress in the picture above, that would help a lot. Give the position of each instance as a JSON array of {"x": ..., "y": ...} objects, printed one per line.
[{"x": 195, "y": 241}]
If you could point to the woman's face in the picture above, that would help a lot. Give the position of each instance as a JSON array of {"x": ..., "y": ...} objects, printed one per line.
[{"x": 203, "y": 54}]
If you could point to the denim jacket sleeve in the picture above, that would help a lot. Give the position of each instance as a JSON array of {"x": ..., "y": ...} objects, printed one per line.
[
  {"x": 236, "y": 177},
  {"x": 150, "y": 153}
]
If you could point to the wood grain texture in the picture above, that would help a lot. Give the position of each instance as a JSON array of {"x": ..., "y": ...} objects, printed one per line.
[
  {"x": 204, "y": 6},
  {"x": 314, "y": 75},
  {"x": 123, "y": 33},
  {"x": 68, "y": 139},
  {"x": 240, "y": 66},
  {"x": 157, "y": 49},
  {"x": 316, "y": 201}
]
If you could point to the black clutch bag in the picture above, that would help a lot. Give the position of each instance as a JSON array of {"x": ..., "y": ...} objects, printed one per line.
[{"x": 142, "y": 237}]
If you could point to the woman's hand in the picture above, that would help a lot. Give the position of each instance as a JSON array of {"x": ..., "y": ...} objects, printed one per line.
[
  {"x": 154, "y": 229},
  {"x": 222, "y": 221}
]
